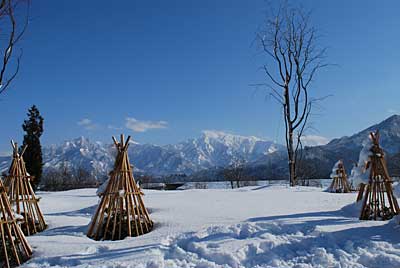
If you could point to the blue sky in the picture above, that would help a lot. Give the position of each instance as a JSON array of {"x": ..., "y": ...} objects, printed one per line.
[{"x": 175, "y": 68}]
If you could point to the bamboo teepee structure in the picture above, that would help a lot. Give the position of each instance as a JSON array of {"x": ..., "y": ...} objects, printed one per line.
[
  {"x": 22, "y": 197},
  {"x": 121, "y": 211},
  {"x": 339, "y": 183},
  {"x": 14, "y": 248},
  {"x": 378, "y": 201}
]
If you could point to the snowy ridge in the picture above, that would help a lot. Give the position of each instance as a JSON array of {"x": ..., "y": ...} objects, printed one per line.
[
  {"x": 219, "y": 149},
  {"x": 211, "y": 149}
]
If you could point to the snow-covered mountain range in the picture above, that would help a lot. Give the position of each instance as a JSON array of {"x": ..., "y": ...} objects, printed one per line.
[
  {"x": 206, "y": 155},
  {"x": 211, "y": 149}
]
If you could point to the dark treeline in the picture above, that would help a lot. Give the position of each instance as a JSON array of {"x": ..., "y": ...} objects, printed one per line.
[{"x": 61, "y": 179}]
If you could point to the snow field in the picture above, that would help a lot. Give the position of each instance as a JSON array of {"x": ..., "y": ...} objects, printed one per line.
[{"x": 272, "y": 226}]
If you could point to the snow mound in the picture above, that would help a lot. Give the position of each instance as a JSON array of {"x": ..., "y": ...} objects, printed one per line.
[
  {"x": 102, "y": 188},
  {"x": 334, "y": 170},
  {"x": 396, "y": 189},
  {"x": 359, "y": 174},
  {"x": 265, "y": 244},
  {"x": 352, "y": 210}
]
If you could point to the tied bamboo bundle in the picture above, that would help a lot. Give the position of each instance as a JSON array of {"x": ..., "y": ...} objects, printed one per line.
[
  {"x": 21, "y": 194},
  {"x": 121, "y": 211},
  {"x": 378, "y": 200},
  {"x": 14, "y": 248},
  {"x": 339, "y": 179}
]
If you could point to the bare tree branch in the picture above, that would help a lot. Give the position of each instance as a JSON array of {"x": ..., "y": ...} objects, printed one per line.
[{"x": 9, "y": 26}]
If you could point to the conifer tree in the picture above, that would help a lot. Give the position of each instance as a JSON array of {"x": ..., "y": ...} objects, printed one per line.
[{"x": 33, "y": 127}]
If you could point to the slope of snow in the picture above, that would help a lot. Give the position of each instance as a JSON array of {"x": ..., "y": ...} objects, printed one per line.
[{"x": 271, "y": 226}]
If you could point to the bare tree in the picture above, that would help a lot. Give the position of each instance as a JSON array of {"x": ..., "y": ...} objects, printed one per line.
[
  {"x": 14, "y": 15},
  {"x": 64, "y": 178},
  {"x": 290, "y": 42},
  {"x": 305, "y": 171},
  {"x": 234, "y": 173}
]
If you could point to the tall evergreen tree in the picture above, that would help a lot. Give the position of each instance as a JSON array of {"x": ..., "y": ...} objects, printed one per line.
[{"x": 33, "y": 127}]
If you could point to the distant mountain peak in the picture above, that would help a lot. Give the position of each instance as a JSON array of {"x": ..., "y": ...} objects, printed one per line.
[
  {"x": 389, "y": 123},
  {"x": 81, "y": 140},
  {"x": 222, "y": 135},
  {"x": 133, "y": 142},
  {"x": 314, "y": 140},
  {"x": 394, "y": 117}
]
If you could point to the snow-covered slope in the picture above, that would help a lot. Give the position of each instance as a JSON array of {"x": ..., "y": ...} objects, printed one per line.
[
  {"x": 389, "y": 137},
  {"x": 247, "y": 227}
]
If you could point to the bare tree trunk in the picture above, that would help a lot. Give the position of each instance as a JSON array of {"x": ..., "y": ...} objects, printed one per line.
[
  {"x": 292, "y": 170},
  {"x": 289, "y": 137},
  {"x": 292, "y": 162}
]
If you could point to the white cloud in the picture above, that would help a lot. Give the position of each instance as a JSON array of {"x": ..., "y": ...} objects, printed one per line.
[
  {"x": 6, "y": 153},
  {"x": 314, "y": 140},
  {"x": 392, "y": 111},
  {"x": 142, "y": 126},
  {"x": 87, "y": 124},
  {"x": 114, "y": 127}
]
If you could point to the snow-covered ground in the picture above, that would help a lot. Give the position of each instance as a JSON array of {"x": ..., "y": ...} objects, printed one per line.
[{"x": 273, "y": 226}]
